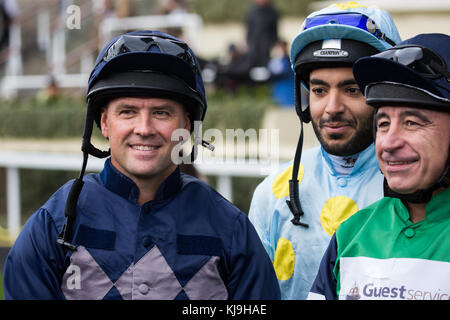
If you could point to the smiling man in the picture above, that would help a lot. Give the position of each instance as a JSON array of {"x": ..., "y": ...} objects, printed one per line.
[
  {"x": 140, "y": 229},
  {"x": 140, "y": 131},
  {"x": 415, "y": 160},
  {"x": 340, "y": 117},
  {"x": 399, "y": 247}
]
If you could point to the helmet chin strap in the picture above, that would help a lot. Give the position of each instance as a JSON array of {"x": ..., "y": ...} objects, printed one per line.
[
  {"x": 301, "y": 107},
  {"x": 87, "y": 146},
  {"x": 70, "y": 212},
  {"x": 190, "y": 158},
  {"x": 294, "y": 201}
]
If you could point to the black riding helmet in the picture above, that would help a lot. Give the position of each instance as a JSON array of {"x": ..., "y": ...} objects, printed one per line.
[
  {"x": 146, "y": 63},
  {"x": 414, "y": 73},
  {"x": 138, "y": 64}
]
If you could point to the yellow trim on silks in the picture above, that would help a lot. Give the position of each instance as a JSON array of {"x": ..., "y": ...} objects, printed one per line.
[
  {"x": 284, "y": 259},
  {"x": 335, "y": 211},
  {"x": 280, "y": 185},
  {"x": 348, "y": 5}
]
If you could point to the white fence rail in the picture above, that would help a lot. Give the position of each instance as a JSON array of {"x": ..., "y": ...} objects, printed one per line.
[{"x": 14, "y": 161}]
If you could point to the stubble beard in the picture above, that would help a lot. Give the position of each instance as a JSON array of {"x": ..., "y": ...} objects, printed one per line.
[{"x": 361, "y": 139}]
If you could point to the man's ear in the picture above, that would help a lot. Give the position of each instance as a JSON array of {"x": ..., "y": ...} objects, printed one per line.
[
  {"x": 188, "y": 123},
  {"x": 103, "y": 122}
]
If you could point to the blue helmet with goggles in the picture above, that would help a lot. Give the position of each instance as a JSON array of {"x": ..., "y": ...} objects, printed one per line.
[
  {"x": 148, "y": 63},
  {"x": 335, "y": 36},
  {"x": 138, "y": 64},
  {"x": 414, "y": 73}
]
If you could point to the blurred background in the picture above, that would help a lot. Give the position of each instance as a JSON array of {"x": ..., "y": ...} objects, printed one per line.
[{"x": 48, "y": 48}]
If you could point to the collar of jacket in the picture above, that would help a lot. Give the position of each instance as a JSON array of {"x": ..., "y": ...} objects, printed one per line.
[
  {"x": 367, "y": 159},
  {"x": 120, "y": 184}
]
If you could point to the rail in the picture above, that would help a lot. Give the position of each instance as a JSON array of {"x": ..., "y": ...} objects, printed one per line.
[{"x": 13, "y": 161}]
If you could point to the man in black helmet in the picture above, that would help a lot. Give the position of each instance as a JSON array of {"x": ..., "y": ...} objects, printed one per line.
[
  {"x": 140, "y": 229},
  {"x": 399, "y": 247}
]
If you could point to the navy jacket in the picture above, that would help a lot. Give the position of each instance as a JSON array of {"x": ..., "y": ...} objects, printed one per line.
[{"x": 187, "y": 243}]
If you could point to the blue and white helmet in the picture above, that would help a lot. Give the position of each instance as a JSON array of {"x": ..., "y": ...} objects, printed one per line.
[{"x": 335, "y": 36}]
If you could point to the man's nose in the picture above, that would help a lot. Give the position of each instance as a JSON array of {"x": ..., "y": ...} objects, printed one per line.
[
  {"x": 143, "y": 125},
  {"x": 335, "y": 104},
  {"x": 391, "y": 139}
]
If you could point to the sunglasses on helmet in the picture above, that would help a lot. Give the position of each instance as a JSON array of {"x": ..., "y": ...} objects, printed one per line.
[
  {"x": 422, "y": 60},
  {"x": 144, "y": 43},
  {"x": 350, "y": 19}
]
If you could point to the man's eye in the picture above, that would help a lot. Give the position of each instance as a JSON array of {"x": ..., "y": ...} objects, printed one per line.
[
  {"x": 161, "y": 113},
  {"x": 353, "y": 90},
  {"x": 126, "y": 112},
  {"x": 382, "y": 124},
  {"x": 318, "y": 91},
  {"x": 410, "y": 123}
]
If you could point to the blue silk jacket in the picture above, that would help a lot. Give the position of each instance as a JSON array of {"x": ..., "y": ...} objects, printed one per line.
[{"x": 187, "y": 243}]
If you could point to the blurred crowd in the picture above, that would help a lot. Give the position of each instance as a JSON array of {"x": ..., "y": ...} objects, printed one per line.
[{"x": 262, "y": 59}]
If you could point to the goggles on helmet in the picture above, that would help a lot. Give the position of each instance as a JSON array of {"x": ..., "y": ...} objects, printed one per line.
[
  {"x": 356, "y": 20},
  {"x": 422, "y": 60},
  {"x": 144, "y": 43}
]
